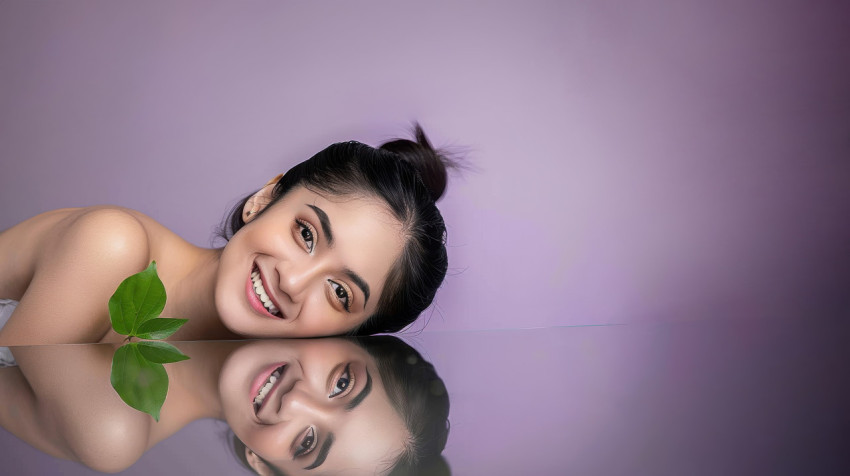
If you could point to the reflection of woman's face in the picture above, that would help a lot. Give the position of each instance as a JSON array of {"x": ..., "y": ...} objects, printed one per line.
[
  {"x": 325, "y": 410},
  {"x": 307, "y": 266}
]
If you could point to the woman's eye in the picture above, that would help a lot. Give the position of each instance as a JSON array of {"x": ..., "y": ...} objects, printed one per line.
[
  {"x": 341, "y": 294},
  {"x": 306, "y": 235},
  {"x": 343, "y": 383},
  {"x": 307, "y": 443}
]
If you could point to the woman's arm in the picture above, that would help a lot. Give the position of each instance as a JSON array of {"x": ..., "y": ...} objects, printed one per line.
[{"x": 65, "y": 265}]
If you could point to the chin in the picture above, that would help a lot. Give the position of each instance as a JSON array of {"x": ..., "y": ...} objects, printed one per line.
[{"x": 230, "y": 314}]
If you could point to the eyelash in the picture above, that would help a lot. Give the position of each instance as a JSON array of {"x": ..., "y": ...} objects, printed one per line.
[
  {"x": 303, "y": 225},
  {"x": 345, "y": 301},
  {"x": 302, "y": 449},
  {"x": 348, "y": 385}
]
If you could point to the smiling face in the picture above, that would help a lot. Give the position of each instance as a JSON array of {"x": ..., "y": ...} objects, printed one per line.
[
  {"x": 311, "y": 407},
  {"x": 308, "y": 266}
]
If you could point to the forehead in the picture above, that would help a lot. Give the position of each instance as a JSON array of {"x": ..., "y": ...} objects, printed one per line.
[
  {"x": 351, "y": 202},
  {"x": 362, "y": 210},
  {"x": 369, "y": 440}
]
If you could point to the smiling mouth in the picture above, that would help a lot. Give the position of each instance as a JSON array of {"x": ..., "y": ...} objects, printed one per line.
[
  {"x": 262, "y": 294},
  {"x": 273, "y": 381}
]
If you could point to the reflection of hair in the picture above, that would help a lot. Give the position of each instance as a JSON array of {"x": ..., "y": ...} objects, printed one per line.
[
  {"x": 410, "y": 177},
  {"x": 418, "y": 395}
]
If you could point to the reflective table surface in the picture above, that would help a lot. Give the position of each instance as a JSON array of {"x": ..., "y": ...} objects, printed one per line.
[{"x": 702, "y": 397}]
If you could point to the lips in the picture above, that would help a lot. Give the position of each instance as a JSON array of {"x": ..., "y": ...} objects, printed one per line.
[
  {"x": 258, "y": 296},
  {"x": 265, "y": 383}
]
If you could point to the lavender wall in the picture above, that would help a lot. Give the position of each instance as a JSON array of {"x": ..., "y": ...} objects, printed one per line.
[{"x": 634, "y": 161}]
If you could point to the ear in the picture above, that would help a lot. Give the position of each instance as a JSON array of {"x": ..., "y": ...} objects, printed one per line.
[
  {"x": 259, "y": 200},
  {"x": 257, "y": 464}
]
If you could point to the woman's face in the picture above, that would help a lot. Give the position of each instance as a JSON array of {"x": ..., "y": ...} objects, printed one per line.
[
  {"x": 311, "y": 407},
  {"x": 310, "y": 265}
]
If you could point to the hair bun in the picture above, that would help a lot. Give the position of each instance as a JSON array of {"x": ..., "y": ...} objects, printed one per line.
[{"x": 430, "y": 163}]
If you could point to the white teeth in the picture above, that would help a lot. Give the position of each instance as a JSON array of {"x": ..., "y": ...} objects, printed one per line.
[
  {"x": 261, "y": 292},
  {"x": 261, "y": 395}
]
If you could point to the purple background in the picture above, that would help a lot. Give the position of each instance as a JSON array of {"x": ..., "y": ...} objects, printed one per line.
[{"x": 634, "y": 162}]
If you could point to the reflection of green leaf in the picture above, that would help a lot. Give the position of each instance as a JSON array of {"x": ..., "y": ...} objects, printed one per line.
[
  {"x": 159, "y": 328},
  {"x": 138, "y": 299},
  {"x": 161, "y": 352},
  {"x": 142, "y": 384},
  {"x": 137, "y": 372}
]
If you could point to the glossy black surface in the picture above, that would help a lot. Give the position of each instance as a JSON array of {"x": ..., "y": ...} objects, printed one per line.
[{"x": 706, "y": 397}]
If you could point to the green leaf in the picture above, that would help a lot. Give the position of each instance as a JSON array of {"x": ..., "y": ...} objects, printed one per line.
[
  {"x": 138, "y": 299},
  {"x": 159, "y": 328},
  {"x": 140, "y": 383},
  {"x": 161, "y": 352}
]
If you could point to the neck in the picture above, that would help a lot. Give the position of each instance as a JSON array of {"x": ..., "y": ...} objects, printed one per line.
[{"x": 193, "y": 297}]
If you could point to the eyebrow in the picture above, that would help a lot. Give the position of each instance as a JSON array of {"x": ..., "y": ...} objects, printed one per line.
[
  {"x": 360, "y": 282},
  {"x": 362, "y": 395},
  {"x": 325, "y": 222},
  {"x": 323, "y": 452}
]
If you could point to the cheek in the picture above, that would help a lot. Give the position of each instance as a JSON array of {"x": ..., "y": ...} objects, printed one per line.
[
  {"x": 231, "y": 303},
  {"x": 231, "y": 261},
  {"x": 266, "y": 442},
  {"x": 317, "y": 319}
]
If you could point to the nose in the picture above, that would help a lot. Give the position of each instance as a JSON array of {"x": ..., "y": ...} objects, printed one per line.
[
  {"x": 298, "y": 275},
  {"x": 301, "y": 404}
]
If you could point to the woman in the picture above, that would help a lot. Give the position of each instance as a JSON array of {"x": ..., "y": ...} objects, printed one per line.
[
  {"x": 349, "y": 241},
  {"x": 370, "y": 406}
]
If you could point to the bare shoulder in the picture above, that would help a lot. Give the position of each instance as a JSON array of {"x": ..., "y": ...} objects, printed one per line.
[
  {"x": 106, "y": 434},
  {"x": 113, "y": 443},
  {"x": 108, "y": 232},
  {"x": 77, "y": 414},
  {"x": 105, "y": 231},
  {"x": 69, "y": 260}
]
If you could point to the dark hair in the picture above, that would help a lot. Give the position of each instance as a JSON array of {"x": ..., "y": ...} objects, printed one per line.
[
  {"x": 418, "y": 395},
  {"x": 409, "y": 176}
]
